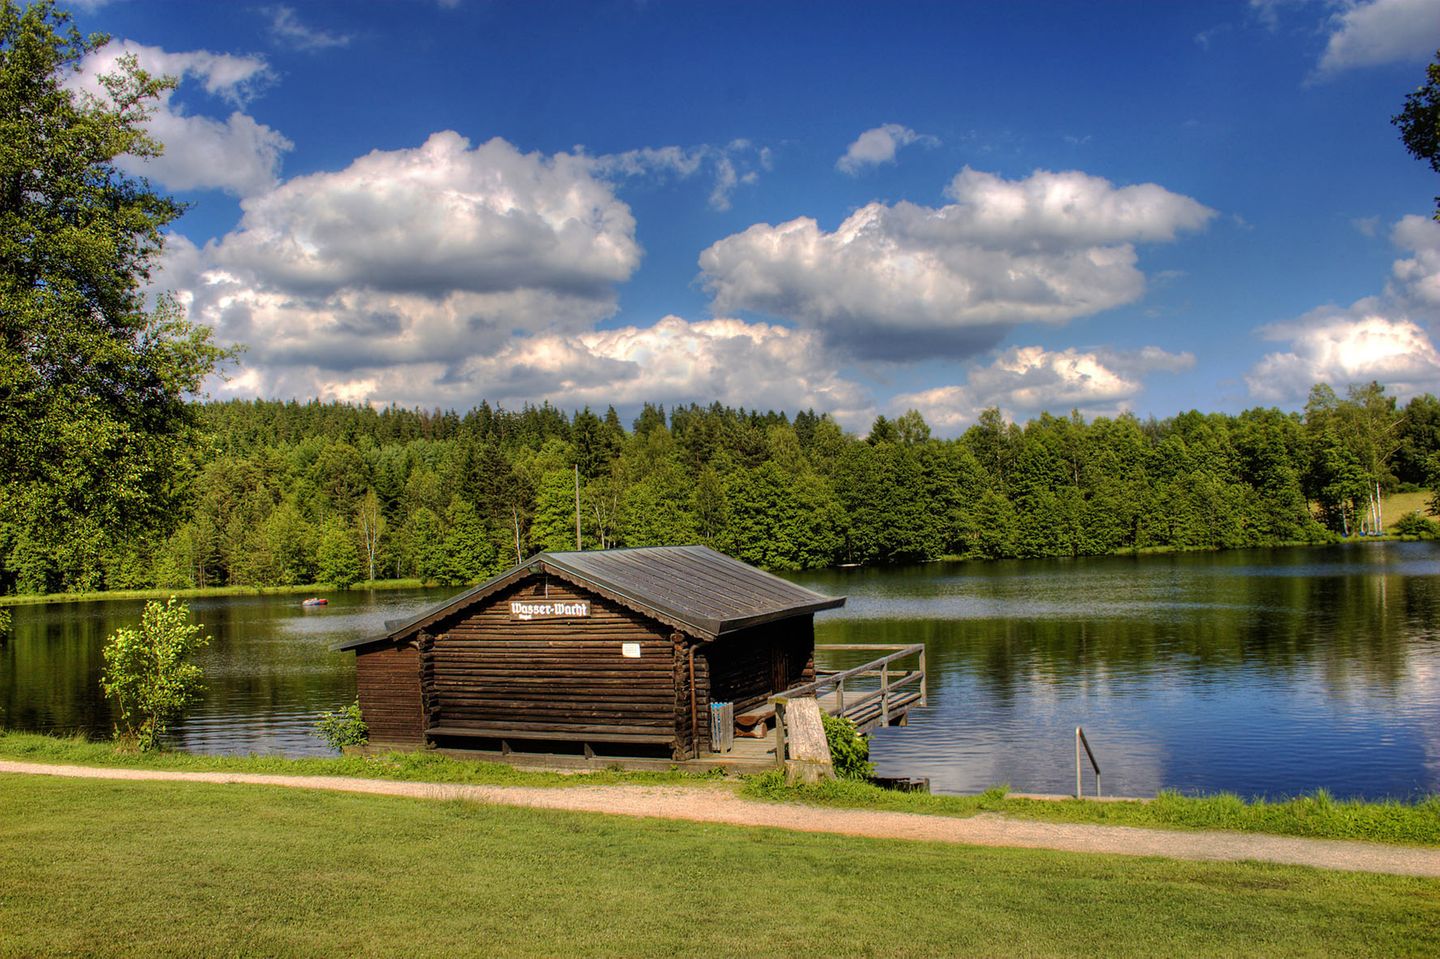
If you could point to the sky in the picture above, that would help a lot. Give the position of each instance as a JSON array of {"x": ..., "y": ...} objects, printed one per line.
[{"x": 860, "y": 208}]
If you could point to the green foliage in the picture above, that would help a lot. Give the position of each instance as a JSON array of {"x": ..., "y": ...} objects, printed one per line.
[
  {"x": 468, "y": 553},
  {"x": 148, "y": 674},
  {"x": 1413, "y": 524},
  {"x": 1419, "y": 121},
  {"x": 344, "y": 727},
  {"x": 451, "y": 499},
  {"x": 4, "y": 624},
  {"x": 849, "y": 751},
  {"x": 96, "y": 436},
  {"x": 336, "y": 560},
  {"x": 553, "y": 527}
]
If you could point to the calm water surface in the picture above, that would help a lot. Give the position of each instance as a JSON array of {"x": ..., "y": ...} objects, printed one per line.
[{"x": 1266, "y": 672}]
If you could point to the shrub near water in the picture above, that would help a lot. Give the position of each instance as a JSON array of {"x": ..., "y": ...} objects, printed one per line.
[
  {"x": 344, "y": 727},
  {"x": 849, "y": 751},
  {"x": 148, "y": 675}
]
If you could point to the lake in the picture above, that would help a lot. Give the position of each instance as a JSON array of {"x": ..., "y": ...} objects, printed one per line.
[{"x": 1262, "y": 672}]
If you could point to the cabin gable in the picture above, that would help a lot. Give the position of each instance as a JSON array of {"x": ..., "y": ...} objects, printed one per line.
[{"x": 608, "y": 674}]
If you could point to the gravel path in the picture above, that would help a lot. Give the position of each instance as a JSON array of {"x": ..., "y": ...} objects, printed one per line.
[{"x": 700, "y": 804}]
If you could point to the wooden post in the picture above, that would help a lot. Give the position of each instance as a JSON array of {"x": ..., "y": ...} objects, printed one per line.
[
  {"x": 885, "y": 694},
  {"x": 924, "y": 677},
  {"x": 780, "y": 732},
  {"x": 578, "y": 545},
  {"x": 810, "y": 760}
]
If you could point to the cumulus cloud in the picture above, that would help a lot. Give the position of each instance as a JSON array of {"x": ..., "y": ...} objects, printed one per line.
[
  {"x": 878, "y": 146},
  {"x": 1385, "y": 337},
  {"x": 737, "y": 163},
  {"x": 902, "y": 281},
  {"x": 450, "y": 273},
  {"x": 1027, "y": 380},
  {"x": 1381, "y": 31},
  {"x": 239, "y": 154},
  {"x": 409, "y": 269},
  {"x": 287, "y": 28},
  {"x": 737, "y": 363},
  {"x": 1346, "y": 348}
]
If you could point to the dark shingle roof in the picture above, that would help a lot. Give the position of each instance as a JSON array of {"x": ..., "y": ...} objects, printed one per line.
[{"x": 693, "y": 588}]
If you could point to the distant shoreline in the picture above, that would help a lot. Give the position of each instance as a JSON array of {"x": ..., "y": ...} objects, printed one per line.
[
  {"x": 104, "y": 595},
  {"x": 122, "y": 594}
]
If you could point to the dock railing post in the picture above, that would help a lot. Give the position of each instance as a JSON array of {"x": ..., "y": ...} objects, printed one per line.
[
  {"x": 924, "y": 677},
  {"x": 1078, "y": 793},
  {"x": 780, "y": 732},
  {"x": 885, "y": 693}
]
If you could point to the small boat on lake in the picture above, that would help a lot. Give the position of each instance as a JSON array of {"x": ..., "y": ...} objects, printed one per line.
[{"x": 315, "y": 601}]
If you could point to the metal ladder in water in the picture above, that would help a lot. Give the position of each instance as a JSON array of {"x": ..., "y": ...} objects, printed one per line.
[{"x": 1080, "y": 740}]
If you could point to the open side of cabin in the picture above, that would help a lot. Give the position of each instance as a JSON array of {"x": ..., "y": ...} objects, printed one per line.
[{"x": 615, "y": 652}]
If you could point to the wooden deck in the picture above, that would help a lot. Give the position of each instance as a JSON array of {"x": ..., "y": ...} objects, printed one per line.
[{"x": 880, "y": 692}]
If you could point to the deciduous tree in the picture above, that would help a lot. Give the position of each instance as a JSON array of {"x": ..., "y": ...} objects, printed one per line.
[
  {"x": 1419, "y": 121},
  {"x": 94, "y": 424}
]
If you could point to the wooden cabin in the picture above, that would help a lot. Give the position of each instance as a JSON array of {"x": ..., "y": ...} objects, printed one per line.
[{"x": 617, "y": 652}]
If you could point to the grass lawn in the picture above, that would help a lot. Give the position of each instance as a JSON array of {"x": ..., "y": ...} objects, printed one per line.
[
  {"x": 1397, "y": 505},
  {"x": 167, "y": 869},
  {"x": 1311, "y": 816}
]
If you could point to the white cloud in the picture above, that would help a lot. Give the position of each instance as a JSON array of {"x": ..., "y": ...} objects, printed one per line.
[
  {"x": 879, "y": 145},
  {"x": 1383, "y": 338},
  {"x": 1027, "y": 380},
  {"x": 439, "y": 218},
  {"x": 1415, "y": 280},
  {"x": 239, "y": 154},
  {"x": 737, "y": 363},
  {"x": 1354, "y": 346},
  {"x": 737, "y": 162},
  {"x": 902, "y": 281},
  {"x": 408, "y": 268},
  {"x": 285, "y": 26},
  {"x": 1382, "y": 31}
]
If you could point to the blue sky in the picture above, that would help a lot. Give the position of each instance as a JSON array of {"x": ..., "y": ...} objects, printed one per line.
[{"x": 859, "y": 208}]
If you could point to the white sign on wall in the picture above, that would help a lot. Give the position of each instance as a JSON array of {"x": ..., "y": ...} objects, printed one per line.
[
  {"x": 630, "y": 650},
  {"x": 530, "y": 609}
]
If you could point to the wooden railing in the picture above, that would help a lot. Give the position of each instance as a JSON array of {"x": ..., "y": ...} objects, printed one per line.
[{"x": 873, "y": 694}]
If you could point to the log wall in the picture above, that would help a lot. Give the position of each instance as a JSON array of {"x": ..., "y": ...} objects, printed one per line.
[
  {"x": 486, "y": 673},
  {"x": 748, "y": 667},
  {"x": 387, "y": 679}
]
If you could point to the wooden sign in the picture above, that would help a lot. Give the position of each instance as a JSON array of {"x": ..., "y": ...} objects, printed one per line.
[{"x": 525, "y": 609}]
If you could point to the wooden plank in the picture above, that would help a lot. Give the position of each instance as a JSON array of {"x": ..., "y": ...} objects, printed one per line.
[
  {"x": 807, "y": 751},
  {"x": 524, "y": 731}
]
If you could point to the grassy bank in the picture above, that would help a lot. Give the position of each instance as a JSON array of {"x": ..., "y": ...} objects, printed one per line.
[
  {"x": 1314, "y": 816},
  {"x": 35, "y": 599},
  {"x": 164, "y": 869}
]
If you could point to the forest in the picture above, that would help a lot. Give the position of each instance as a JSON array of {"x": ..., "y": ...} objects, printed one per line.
[{"x": 276, "y": 493}]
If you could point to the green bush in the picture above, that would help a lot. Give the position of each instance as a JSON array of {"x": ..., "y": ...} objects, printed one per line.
[
  {"x": 849, "y": 751},
  {"x": 1413, "y": 524},
  {"x": 147, "y": 674},
  {"x": 344, "y": 727}
]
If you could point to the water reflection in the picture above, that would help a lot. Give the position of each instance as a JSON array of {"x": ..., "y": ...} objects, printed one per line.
[
  {"x": 269, "y": 670},
  {"x": 1263, "y": 672}
]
